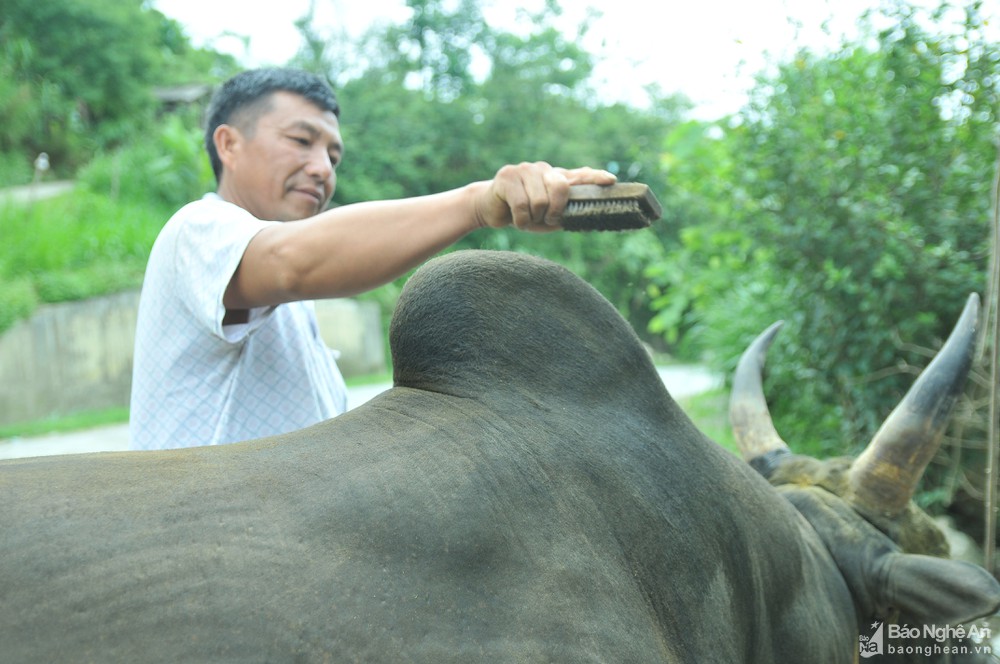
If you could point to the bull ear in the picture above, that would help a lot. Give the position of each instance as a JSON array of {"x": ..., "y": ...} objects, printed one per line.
[{"x": 935, "y": 590}]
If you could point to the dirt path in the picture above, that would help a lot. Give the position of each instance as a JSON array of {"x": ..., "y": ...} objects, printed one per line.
[{"x": 35, "y": 192}]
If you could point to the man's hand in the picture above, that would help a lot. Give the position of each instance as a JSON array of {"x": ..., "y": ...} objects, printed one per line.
[{"x": 532, "y": 196}]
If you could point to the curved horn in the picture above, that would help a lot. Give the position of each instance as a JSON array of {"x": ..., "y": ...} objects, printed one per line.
[
  {"x": 748, "y": 413},
  {"x": 884, "y": 477}
]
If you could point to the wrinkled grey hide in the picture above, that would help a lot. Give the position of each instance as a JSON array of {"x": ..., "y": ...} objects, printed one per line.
[{"x": 527, "y": 492}]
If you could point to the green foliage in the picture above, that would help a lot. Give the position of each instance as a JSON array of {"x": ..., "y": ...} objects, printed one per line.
[
  {"x": 17, "y": 300},
  {"x": 98, "y": 52},
  {"x": 857, "y": 187},
  {"x": 392, "y": 150},
  {"x": 73, "y": 66},
  {"x": 167, "y": 167},
  {"x": 71, "y": 247},
  {"x": 15, "y": 169},
  {"x": 710, "y": 413},
  {"x": 437, "y": 44},
  {"x": 79, "y": 75},
  {"x": 179, "y": 62},
  {"x": 704, "y": 250},
  {"x": 67, "y": 423}
]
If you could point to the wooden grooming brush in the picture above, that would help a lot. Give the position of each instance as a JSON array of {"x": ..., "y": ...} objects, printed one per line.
[{"x": 618, "y": 207}]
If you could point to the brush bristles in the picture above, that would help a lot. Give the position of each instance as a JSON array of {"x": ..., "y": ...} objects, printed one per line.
[{"x": 617, "y": 207}]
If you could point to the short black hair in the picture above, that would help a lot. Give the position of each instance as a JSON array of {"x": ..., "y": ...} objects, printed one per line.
[{"x": 251, "y": 87}]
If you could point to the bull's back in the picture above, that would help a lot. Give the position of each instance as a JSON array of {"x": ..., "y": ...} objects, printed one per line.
[{"x": 421, "y": 528}]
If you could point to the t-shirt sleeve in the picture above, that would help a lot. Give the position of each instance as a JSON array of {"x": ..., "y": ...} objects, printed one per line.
[{"x": 211, "y": 237}]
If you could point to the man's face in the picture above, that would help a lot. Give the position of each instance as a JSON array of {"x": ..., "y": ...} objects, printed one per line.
[{"x": 284, "y": 168}]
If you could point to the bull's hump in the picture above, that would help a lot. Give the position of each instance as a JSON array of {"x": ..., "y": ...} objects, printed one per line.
[{"x": 495, "y": 321}]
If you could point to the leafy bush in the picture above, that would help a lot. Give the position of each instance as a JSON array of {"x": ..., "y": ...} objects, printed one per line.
[
  {"x": 14, "y": 170},
  {"x": 74, "y": 246},
  {"x": 169, "y": 168},
  {"x": 97, "y": 239},
  {"x": 867, "y": 203},
  {"x": 856, "y": 188},
  {"x": 17, "y": 300}
]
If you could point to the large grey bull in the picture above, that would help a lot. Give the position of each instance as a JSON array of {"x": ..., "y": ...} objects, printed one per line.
[{"x": 527, "y": 492}]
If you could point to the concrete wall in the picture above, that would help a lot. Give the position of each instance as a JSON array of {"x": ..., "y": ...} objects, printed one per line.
[
  {"x": 78, "y": 356},
  {"x": 354, "y": 328}
]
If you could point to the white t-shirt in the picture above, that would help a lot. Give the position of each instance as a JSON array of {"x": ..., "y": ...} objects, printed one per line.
[{"x": 195, "y": 382}]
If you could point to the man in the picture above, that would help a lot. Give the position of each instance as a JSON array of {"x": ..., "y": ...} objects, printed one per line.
[{"x": 227, "y": 346}]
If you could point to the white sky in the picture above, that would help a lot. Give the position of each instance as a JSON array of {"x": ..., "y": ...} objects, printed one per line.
[{"x": 708, "y": 50}]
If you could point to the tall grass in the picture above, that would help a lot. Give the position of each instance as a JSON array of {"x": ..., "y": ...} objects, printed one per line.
[
  {"x": 71, "y": 247},
  {"x": 96, "y": 240}
]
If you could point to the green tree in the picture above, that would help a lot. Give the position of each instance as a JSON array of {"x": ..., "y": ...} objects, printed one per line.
[
  {"x": 437, "y": 44},
  {"x": 420, "y": 119},
  {"x": 89, "y": 64},
  {"x": 78, "y": 75},
  {"x": 707, "y": 255},
  {"x": 859, "y": 191}
]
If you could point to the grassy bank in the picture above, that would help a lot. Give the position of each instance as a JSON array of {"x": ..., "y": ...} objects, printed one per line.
[
  {"x": 65, "y": 424},
  {"x": 710, "y": 413},
  {"x": 108, "y": 416},
  {"x": 71, "y": 247}
]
